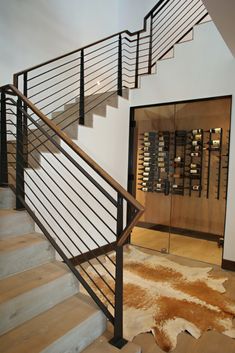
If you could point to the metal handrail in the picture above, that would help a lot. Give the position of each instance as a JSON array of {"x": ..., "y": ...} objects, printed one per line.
[{"x": 32, "y": 187}]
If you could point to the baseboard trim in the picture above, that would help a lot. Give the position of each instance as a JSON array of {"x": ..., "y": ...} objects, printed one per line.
[
  {"x": 228, "y": 265},
  {"x": 182, "y": 231},
  {"x": 89, "y": 255}
]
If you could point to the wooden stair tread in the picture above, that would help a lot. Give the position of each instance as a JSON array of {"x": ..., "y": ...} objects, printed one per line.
[
  {"x": 21, "y": 241},
  {"x": 41, "y": 331},
  {"x": 20, "y": 283}
]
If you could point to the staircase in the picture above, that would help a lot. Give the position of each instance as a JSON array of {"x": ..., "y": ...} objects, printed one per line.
[
  {"x": 41, "y": 307},
  {"x": 79, "y": 211}
]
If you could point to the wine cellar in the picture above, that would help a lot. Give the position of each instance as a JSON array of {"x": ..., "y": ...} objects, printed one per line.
[{"x": 181, "y": 159}]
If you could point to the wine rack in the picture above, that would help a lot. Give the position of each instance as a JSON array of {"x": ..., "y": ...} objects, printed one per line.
[
  {"x": 153, "y": 174},
  {"x": 174, "y": 162}
]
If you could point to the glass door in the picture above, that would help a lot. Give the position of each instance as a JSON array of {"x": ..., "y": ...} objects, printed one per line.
[
  {"x": 198, "y": 214},
  {"x": 153, "y": 141}
]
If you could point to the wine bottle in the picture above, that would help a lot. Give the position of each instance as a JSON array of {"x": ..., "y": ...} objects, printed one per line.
[
  {"x": 196, "y": 131},
  {"x": 195, "y": 154},
  {"x": 194, "y": 171},
  {"x": 214, "y": 143},
  {"x": 196, "y": 187},
  {"x": 196, "y": 143},
  {"x": 194, "y": 165},
  {"x": 197, "y": 137},
  {"x": 216, "y": 130},
  {"x": 178, "y": 159},
  {"x": 176, "y": 186}
]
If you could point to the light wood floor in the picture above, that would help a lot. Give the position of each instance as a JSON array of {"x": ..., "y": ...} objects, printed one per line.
[{"x": 196, "y": 249}]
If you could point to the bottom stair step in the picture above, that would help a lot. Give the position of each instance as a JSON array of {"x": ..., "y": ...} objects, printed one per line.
[{"x": 69, "y": 327}]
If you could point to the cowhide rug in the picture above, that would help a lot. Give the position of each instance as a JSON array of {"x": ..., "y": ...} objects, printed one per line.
[{"x": 166, "y": 298}]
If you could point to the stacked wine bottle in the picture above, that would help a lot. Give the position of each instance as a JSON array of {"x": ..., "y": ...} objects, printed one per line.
[
  {"x": 196, "y": 160},
  {"x": 154, "y": 162}
]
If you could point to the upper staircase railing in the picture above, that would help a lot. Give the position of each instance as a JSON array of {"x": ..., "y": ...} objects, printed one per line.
[{"x": 90, "y": 75}]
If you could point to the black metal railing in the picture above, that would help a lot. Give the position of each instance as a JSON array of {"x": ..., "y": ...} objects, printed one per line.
[
  {"x": 78, "y": 206},
  {"x": 75, "y": 203},
  {"x": 81, "y": 80}
]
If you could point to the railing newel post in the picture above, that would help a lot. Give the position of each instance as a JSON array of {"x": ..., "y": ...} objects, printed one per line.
[
  {"x": 118, "y": 340},
  {"x": 19, "y": 156},
  {"x": 25, "y": 120},
  {"x": 150, "y": 45},
  {"x": 119, "y": 76},
  {"x": 3, "y": 142},
  {"x": 137, "y": 60},
  {"x": 82, "y": 90}
]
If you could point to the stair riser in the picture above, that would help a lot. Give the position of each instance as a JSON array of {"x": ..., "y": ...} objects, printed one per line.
[
  {"x": 77, "y": 339},
  {"x": 23, "y": 259},
  {"x": 16, "y": 224},
  {"x": 7, "y": 199},
  {"x": 24, "y": 307}
]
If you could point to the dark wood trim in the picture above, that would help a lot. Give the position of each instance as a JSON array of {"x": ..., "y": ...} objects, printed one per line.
[
  {"x": 228, "y": 265},
  {"x": 89, "y": 255},
  {"x": 182, "y": 231}
]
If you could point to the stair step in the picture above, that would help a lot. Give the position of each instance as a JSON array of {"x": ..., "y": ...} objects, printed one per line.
[
  {"x": 7, "y": 198},
  {"x": 68, "y": 327},
  {"x": 29, "y": 293},
  {"x": 24, "y": 252},
  {"x": 13, "y": 223}
]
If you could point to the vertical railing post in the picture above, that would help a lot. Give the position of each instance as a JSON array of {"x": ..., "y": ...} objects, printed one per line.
[
  {"x": 19, "y": 157},
  {"x": 82, "y": 90},
  {"x": 150, "y": 45},
  {"x": 119, "y": 78},
  {"x": 3, "y": 143},
  {"x": 25, "y": 127},
  {"x": 137, "y": 60},
  {"x": 118, "y": 340}
]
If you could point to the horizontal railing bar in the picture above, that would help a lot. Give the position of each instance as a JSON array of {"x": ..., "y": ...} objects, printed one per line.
[
  {"x": 65, "y": 258},
  {"x": 61, "y": 89},
  {"x": 102, "y": 100},
  {"x": 176, "y": 34},
  {"x": 75, "y": 148},
  {"x": 112, "y": 74},
  {"x": 104, "y": 46},
  {"x": 52, "y": 69},
  {"x": 65, "y": 232},
  {"x": 69, "y": 197},
  {"x": 168, "y": 24},
  {"x": 98, "y": 90},
  {"x": 100, "y": 74},
  {"x": 101, "y": 61},
  {"x": 99, "y": 55},
  {"x": 60, "y": 252},
  {"x": 57, "y": 99},
  {"x": 55, "y": 84},
  {"x": 51, "y": 95},
  {"x": 73, "y": 175},
  {"x": 162, "y": 12},
  {"x": 50, "y": 78},
  {"x": 101, "y": 67}
]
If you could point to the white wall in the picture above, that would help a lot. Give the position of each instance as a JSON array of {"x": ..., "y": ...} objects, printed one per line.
[
  {"x": 131, "y": 13},
  {"x": 33, "y": 31},
  {"x": 202, "y": 68}
]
